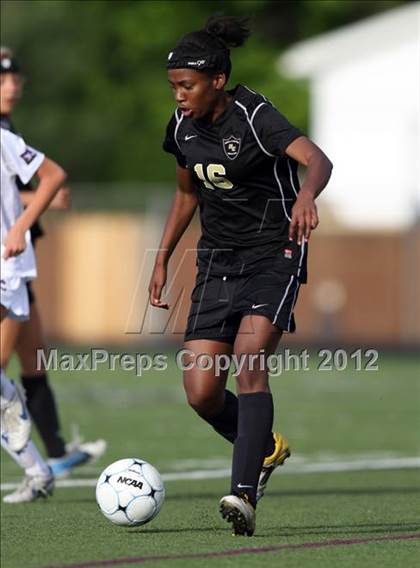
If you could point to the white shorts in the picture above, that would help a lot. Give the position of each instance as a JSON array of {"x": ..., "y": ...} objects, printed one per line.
[{"x": 14, "y": 297}]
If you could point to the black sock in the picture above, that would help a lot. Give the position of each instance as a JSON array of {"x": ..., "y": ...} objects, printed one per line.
[
  {"x": 269, "y": 448},
  {"x": 41, "y": 405},
  {"x": 226, "y": 422},
  {"x": 255, "y": 421}
]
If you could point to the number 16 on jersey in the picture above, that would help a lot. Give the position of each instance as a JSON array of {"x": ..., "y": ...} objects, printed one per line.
[{"x": 215, "y": 176}]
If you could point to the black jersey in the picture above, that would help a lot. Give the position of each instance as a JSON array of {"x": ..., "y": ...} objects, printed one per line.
[
  {"x": 36, "y": 229},
  {"x": 246, "y": 184}
]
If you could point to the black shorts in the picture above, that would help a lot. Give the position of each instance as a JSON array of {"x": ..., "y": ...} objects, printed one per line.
[{"x": 220, "y": 302}]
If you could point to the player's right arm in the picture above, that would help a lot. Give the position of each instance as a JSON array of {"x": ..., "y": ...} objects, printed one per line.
[
  {"x": 183, "y": 207},
  {"x": 60, "y": 202},
  {"x": 51, "y": 178}
]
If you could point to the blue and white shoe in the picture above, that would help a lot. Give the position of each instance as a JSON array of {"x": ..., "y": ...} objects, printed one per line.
[
  {"x": 15, "y": 421},
  {"x": 77, "y": 454}
]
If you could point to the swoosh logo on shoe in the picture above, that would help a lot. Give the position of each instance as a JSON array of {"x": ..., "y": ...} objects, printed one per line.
[
  {"x": 188, "y": 137},
  {"x": 243, "y": 486}
]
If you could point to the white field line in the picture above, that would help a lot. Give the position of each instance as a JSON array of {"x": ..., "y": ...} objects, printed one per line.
[{"x": 292, "y": 469}]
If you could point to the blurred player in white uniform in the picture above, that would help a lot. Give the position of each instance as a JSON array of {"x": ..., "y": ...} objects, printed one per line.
[
  {"x": 18, "y": 266},
  {"x": 26, "y": 337}
]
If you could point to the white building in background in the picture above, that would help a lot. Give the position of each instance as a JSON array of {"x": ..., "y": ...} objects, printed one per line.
[{"x": 364, "y": 85}]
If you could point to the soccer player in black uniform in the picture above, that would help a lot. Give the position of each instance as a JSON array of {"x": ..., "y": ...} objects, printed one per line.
[
  {"x": 237, "y": 160},
  {"x": 25, "y": 337}
]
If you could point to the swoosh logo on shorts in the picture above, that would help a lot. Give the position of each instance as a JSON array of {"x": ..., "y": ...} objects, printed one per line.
[{"x": 255, "y": 306}]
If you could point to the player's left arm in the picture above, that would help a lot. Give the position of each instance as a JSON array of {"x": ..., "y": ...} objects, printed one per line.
[{"x": 318, "y": 173}]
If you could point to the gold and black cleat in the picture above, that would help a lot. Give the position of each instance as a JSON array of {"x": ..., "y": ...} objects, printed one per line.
[{"x": 278, "y": 457}]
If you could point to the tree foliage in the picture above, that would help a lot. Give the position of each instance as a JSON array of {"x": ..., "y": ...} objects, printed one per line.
[{"x": 96, "y": 95}]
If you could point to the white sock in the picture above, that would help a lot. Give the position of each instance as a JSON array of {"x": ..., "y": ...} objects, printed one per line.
[
  {"x": 29, "y": 459},
  {"x": 8, "y": 390}
]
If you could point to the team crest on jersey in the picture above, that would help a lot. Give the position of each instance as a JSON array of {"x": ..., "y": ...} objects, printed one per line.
[
  {"x": 28, "y": 155},
  {"x": 232, "y": 147}
]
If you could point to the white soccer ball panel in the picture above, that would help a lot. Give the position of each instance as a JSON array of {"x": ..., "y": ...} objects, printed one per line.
[
  {"x": 140, "y": 510},
  {"x": 107, "y": 498},
  {"x": 118, "y": 466},
  {"x": 152, "y": 476},
  {"x": 119, "y": 518},
  {"x": 124, "y": 498},
  {"x": 136, "y": 466},
  {"x": 159, "y": 497}
]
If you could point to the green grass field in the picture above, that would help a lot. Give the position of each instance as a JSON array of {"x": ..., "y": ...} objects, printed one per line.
[{"x": 319, "y": 519}]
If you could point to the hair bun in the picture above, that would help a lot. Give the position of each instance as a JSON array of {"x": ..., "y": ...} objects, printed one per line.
[{"x": 232, "y": 31}]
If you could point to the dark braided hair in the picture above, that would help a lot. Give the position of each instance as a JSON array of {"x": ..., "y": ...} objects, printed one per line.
[{"x": 208, "y": 49}]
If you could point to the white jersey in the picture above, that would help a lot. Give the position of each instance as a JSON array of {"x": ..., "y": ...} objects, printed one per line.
[{"x": 17, "y": 159}]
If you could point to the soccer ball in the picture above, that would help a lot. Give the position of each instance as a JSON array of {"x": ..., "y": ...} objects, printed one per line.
[{"x": 130, "y": 492}]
